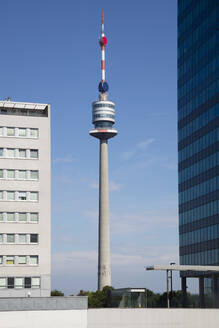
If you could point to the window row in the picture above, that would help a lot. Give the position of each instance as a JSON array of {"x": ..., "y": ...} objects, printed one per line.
[
  {"x": 20, "y": 238},
  {"x": 197, "y": 101},
  {"x": 18, "y": 132},
  {"x": 199, "y": 145},
  {"x": 198, "y": 236},
  {"x": 198, "y": 179},
  {"x": 199, "y": 167},
  {"x": 21, "y": 217},
  {"x": 19, "y": 282},
  {"x": 196, "y": 79},
  {"x": 200, "y": 96},
  {"x": 199, "y": 190},
  {"x": 19, "y": 174},
  {"x": 187, "y": 71},
  {"x": 194, "y": 36},
  {"x": 103, "y": 105},
  {"x": 203, "y": 85},
  {"x": 19, "y": 153},
  {"x": 19, "y": 259},
  {"x": 192, "y": 15},
  {"x": 201, "y": 258},
  {"x": 25, "y": 112},
  {"x": 19, "y": 195},
  {"x": 104, "y": 115},
  {"x": 198, "y": 122},
  {"x": 206, "y": 49},
  {"x": 199, "y": 213}
]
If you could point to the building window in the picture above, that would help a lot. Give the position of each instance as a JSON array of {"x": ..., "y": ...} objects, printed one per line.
[
  {"x": 10, "y": 217},
  {"x": 1, "y": 259},
  {"x": 10, "y": 238},
  {"x": 22, "y": 153},
  {"x": 9, "y": 259},
  {"x": 33, "y": 195},
  {"x": 1, "y": 131},
  {"x": 10, "y": 132},
  {"x": 19, "y": 282},
  {"x": 22, "y": 217},
  {"x": 10, "y": 152},
  {"x": 34, "y": 133},
  {"x": 22, "y": 239},
  {"x": 10, "y": 174},
  {"x": 22, "y": 195},
  {"x": 22, "y": 132},
  {"x": 1, "y": 216},
  {"x": 22, "y": 174},
  {"x": 34, "y": 238},
  {"x": 22, "y": 260},
  {"x": 33, "y": 260},
  {"x": 34, "y": 217},
  {"x": 2, "y": 283},
  {"x": 1, "y": 152},
  {"x": 10, "y": 195},
  {"x": 33, "y": 153},
  {"x": 27, "y": 282},
  {"x": 34, "y": 175},
  {"x": 35, "y": 282},
  {"x": 1, "y": 238},
  {"x": 1, "y": 195},
  {"x": 1, "y": 173},
  {"x": 10, "y": 282}
]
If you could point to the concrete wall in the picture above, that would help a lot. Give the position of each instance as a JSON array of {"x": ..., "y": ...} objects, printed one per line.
[
  {"x": 112, "y": 318},
  {"x": 43, "y": 303},
  {"x": 44, "y": 319},
  {"x": 156, "y": 318}
]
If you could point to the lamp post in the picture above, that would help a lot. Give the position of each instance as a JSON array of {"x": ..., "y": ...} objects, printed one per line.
[{"x": 171, "y": 282}]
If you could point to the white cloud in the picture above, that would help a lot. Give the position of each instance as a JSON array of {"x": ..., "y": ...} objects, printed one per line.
[
  {"x": 133, "y": 259},
  {"x": 65, "y": 179},
  {"x": 139, "y": 147},
  {"x": 127, "y": 155},
  {"x": 148, "y": 222},
  {"x": 144, "y": 144},
  {"x": 94, "y": 185},
  {"x": 113, "y": 186},
  {"x": 66, "y": 159},
  {"x": 91, "y": 214}
]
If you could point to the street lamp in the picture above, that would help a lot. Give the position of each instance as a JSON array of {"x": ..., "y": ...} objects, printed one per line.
[{"x": 171, "y": 281}]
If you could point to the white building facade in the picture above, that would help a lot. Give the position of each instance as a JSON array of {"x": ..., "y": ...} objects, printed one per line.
[{"x": 24, "y": 199}]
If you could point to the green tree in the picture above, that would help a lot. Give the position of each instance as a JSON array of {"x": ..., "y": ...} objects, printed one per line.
[
  {"x": 99, "y": 299},
  {"x": 57, "y": 292},
  {"x": 83, "y": 293}
]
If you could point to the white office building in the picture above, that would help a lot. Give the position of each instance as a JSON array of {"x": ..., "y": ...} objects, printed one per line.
[{"x": 24, "y": 199}]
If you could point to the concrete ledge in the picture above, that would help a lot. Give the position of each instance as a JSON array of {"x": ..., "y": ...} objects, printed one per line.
[{"x": 44, "y": 303}]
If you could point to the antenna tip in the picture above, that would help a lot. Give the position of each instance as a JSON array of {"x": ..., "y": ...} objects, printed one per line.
[{"x": 102, "y": 17}]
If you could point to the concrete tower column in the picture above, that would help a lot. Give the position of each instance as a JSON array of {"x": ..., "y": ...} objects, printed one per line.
[{"x": 104, "y": 271}]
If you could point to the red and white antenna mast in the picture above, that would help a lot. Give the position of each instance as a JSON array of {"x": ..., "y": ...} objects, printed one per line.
[{"x": 103, "y": 86}]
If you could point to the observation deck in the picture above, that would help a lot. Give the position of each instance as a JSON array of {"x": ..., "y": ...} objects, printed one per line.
[{"x": 103, "y": 118}]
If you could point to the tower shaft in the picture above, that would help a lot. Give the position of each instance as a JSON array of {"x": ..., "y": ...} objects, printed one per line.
[
  {"x": 103, "y": 118},
  {"x": 104, "y": 271}
]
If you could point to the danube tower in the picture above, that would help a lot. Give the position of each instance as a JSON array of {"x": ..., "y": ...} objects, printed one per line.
[{"x": 103, "y": 118}]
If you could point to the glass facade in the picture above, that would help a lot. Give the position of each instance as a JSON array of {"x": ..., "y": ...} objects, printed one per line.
[{"x": 198, "y": 132}]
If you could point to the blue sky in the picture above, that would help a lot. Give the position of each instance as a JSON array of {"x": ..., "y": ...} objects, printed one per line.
[{"x": 50, "y": 54}]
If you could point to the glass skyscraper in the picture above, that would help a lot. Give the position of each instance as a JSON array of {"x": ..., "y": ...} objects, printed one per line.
[{"x": 198, "y": 132}]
